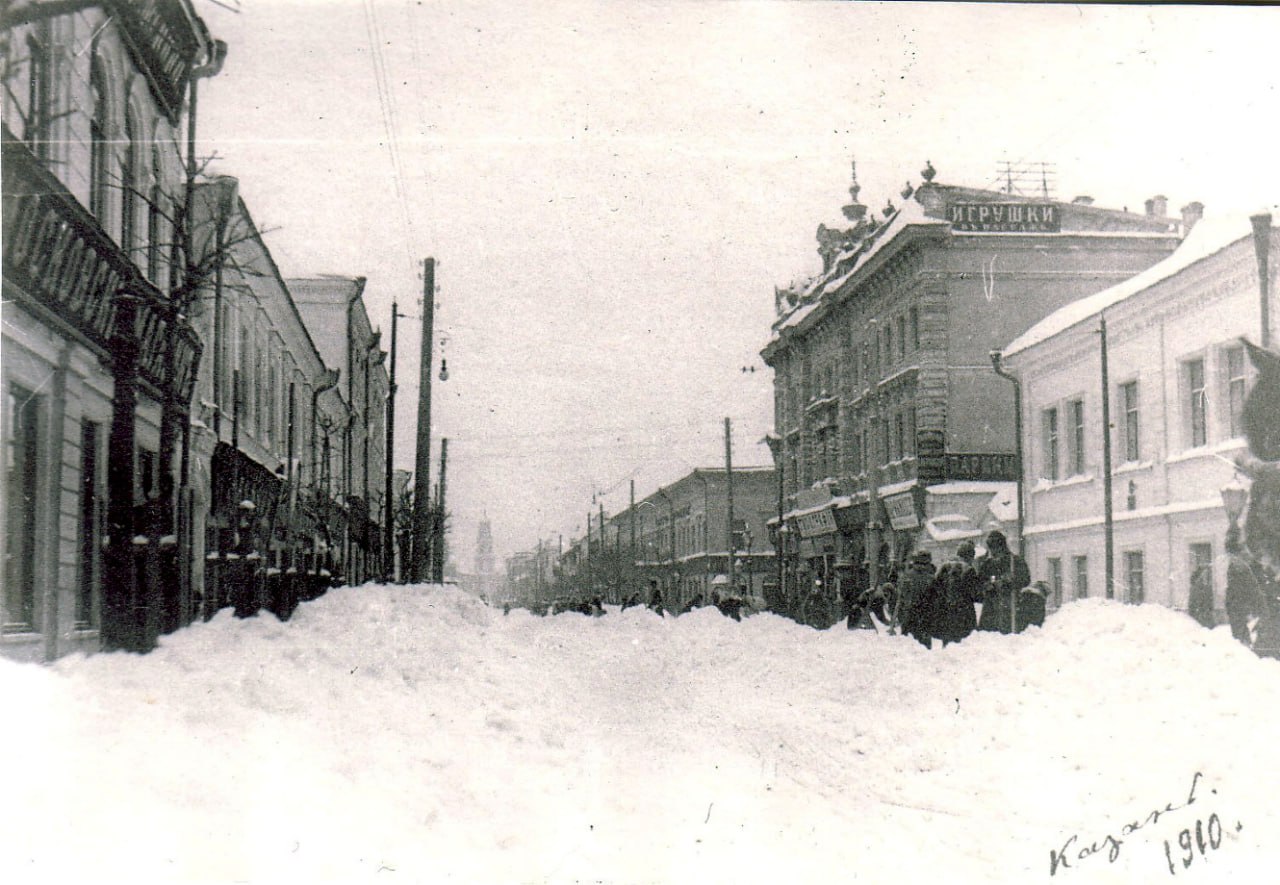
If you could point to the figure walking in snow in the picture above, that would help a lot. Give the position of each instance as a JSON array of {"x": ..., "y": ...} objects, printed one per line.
[
  {"x": 1244, "y": 600},
  {"x": 915, "y": 598},
  {"x": 958, "y": 589},
  {"x": 1002, "y": 575}
]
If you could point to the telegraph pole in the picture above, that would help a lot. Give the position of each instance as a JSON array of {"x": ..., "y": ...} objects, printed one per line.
[
  {"x": 421, "y": 540},
  {"x": 728, "y": 479},
  {"x": 437, "y": 557},
  {"x": 388, "y": 513},
  {"x": 1108, "y": 522}
]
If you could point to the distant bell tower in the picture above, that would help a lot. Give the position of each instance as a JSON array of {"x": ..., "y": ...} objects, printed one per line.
[{"x": 484, "y": 549}]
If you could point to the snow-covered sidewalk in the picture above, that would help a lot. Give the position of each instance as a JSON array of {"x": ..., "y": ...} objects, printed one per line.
[{"x": 412, "y": 734}]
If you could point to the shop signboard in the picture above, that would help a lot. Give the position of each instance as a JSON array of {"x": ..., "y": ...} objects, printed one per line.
[
  {"x": 992, "y": 466},
  {"x": 1022, "y": 218},
  {"x": 820, "y": 522},
  {"x": 901, "y": 510}
]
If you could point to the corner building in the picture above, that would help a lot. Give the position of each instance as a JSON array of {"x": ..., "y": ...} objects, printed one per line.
[{"x": 892, "y": 430}]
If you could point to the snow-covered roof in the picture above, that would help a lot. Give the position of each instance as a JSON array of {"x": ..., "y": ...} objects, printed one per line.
[
  {"x": 910, "y": 214},
  {"x": 1208, "y": 237}
]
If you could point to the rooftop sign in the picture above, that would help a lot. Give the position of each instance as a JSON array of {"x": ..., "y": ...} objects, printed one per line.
[{"x": 1034, "y": 218}]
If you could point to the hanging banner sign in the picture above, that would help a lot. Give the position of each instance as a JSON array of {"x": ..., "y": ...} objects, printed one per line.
[
  {"x": 1023, "y": 218},
  {"x": 822, "y": 522},
  {"x": 901, "y": 510}
]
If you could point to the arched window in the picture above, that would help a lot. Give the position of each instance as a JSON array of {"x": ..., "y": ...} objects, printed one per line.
[
  {"x": 155, "y": 220},
  {"x": 98, "y": 146},
  {"x": 130, "y": 185}
]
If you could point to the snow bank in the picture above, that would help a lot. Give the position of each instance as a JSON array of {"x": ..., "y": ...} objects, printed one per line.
[{"x": 413, "y": 734}]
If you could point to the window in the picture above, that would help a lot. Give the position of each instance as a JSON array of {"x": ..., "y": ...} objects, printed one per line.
[
  {"x": 909, "y": 446},
  {"x": 1055, "y": 580},
  {"x": 899, "y": 436},
  {"x": 146, "y": 479},
  {"x": 1129, "y": 406},
  {"x": 1236, "y": 380},
  {"x": 902, "y": 336},
  {"x": 888, "y": 344},
  {"x": 155, "y": 221},
  {"x": 1075, "y": 454},
  {"x": 913, "y": 316},
  {"x": 129, "y": 186},
  {"x": 240, "y": 390},
  {"x": 90, "y": 527},
  {"x": 98, "y": 146},
  {"x": 1201, "y": 573},
  {"x": 1133, "y": 576},
  {"x": 1081, "y": 564},
  {"x": 36, "y": 126},
  {"x": 1050, "y": 470},
  {"x": 22, "y": 466},
  {"x": 886, "y": 434},
  {"x": 855, "y": 452},
  {"x": 1196, "y": 406}
]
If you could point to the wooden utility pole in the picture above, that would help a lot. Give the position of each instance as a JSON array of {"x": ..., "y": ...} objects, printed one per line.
[
  {"x": 729, "y": 533},
  {"x": 420, "y": 537},
  {"x": 437, "y": 555},
  {"x": 388, "y": 510},
  {"x": 1108, "y": 522}
]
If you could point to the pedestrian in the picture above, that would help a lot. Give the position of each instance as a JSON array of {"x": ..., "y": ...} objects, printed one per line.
[
  {"x": 655, "y": 597},
  {"x": 1031, "y": 606},
  {"x": 696, "y": 601},
  {"x": 1002, "y": 574},
  {"x": 730, "y": 607},
  {"x": 632, "y": 600},
  {"x": 914, "y": 610},
  {"x": 1200, "y": 598},
  {"x": 1244, "y": 600},
  {"x": 958, "y": 590}
]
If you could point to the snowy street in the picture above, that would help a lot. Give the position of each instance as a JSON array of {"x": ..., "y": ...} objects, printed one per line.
[{"x": 412, "y": 734}]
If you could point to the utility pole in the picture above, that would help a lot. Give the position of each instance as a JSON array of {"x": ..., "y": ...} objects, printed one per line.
[
  {"x": 420, "y": 538},
  {"x": 604, "y": 552},
  {"x": 631, "y": 554},
  {"x": 437, "y": 556},
  {"x": 1108, "y": 532},
  {"x": 388, "y": 510},
  {"x": 729, "y": 534}
]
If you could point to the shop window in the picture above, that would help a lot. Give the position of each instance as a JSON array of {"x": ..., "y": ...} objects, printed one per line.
[{"x": 21, "y": 489}]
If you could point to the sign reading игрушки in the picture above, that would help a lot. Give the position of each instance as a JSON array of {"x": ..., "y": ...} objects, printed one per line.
[{"x": 1036, "y": 218}]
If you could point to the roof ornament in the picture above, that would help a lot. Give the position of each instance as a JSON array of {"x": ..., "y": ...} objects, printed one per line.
[
  {"x": 928, "y": 172},
  {"x": 907, "y": 191},
  {"x": 888, "y": 208}
]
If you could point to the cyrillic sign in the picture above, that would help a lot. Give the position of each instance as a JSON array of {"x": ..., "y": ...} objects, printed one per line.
[
  {"x": 1035, "y": 218},
  {"x": 821, "y": 522},
  {"x": 901, "y": 510}
]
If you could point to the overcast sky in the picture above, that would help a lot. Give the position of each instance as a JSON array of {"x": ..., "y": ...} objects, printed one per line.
[{"x": 612, "y": 190}]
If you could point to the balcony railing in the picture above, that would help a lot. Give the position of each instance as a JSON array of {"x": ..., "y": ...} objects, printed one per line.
[
  {"x": 57, "y": 254},
  {"x": 164, "y": 42}
]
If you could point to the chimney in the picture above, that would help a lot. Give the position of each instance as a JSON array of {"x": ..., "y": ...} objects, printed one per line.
[
  {"x": 1262, "y": 246},
  {"x": 1083, "y": 201},
  {"x": 1191, "y": 213},
  {"x": 1158, "y": 206}
]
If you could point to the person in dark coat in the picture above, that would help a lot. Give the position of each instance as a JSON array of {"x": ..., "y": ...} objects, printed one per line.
[
  {"x": 916, "y": 597},
  {"x": 655, "y": 598},
  {"x": 1244, "y": 600},
  {"x": 1200, "y": 599},
  {"x": 696, "y": 601},
  {"x": 631, "y": 602},
  {"x": 730, "y": 607},
  {"x": 958, "y": 589},
  {"x": 1031, "y": 606},
  {"x": 1001, "y": 574}
]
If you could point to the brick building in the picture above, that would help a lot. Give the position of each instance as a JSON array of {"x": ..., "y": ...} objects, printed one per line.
[{"x": 892, "y": 429}]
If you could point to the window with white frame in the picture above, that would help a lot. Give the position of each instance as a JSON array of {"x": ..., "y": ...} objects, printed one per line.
[
  {"x": 1055, "y": 579},
  {"x": 1081, "y": 564},
  {"x": 99, "y": 145},
  {"x": 1133, "y": 573},
  {"x": 1196, "y": 402},
  {"x": 1075, "y": 447},
  {"x": 1049, "y": 422},
  {"x": 1236, "y": 380},
  {"x": 1129, "y": 421}
]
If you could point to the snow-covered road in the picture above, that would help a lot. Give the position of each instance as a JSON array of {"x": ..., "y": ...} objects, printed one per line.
[{"x": 415, "y": 735}]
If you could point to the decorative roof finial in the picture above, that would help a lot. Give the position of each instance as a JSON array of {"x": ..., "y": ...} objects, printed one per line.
[
  {"x": 888, "y": 208},
  {"x": 928, "y": 172},
  {"x": 854, "y": 211},
  {"x": 908, "y": 191}
]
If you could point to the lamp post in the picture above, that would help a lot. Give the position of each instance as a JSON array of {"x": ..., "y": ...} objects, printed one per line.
[{"x": 1234, "y": 497}]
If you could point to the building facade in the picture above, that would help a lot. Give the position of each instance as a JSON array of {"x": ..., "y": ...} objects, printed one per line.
[
  {"x": 333, "y": 309},
  {"x": 99, "y": 360},
  {"x": 1174, "y": 388},
  {"x": 893, "y": 431}
]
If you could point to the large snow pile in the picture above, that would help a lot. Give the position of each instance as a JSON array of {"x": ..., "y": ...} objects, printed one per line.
[{"x": 415, "y": 735}]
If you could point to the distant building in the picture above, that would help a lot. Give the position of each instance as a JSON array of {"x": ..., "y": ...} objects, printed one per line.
[
  {"x": 1177, "y": 375},
  {"x": 892, "y": 430}
]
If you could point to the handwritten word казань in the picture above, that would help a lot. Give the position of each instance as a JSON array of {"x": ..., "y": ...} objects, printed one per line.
[{"x": 1073, "y": 850}]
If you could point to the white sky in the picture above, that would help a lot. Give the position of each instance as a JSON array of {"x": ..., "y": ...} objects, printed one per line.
[
  {"x": 407, "y": 735},
  {"x": 612, "y": 190}
]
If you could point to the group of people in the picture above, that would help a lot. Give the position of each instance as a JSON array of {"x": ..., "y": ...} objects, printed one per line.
[{"x": 926, "y": 602}]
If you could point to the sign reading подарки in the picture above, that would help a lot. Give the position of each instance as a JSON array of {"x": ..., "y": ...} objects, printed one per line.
[{"x": 1036, "y": 218}]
